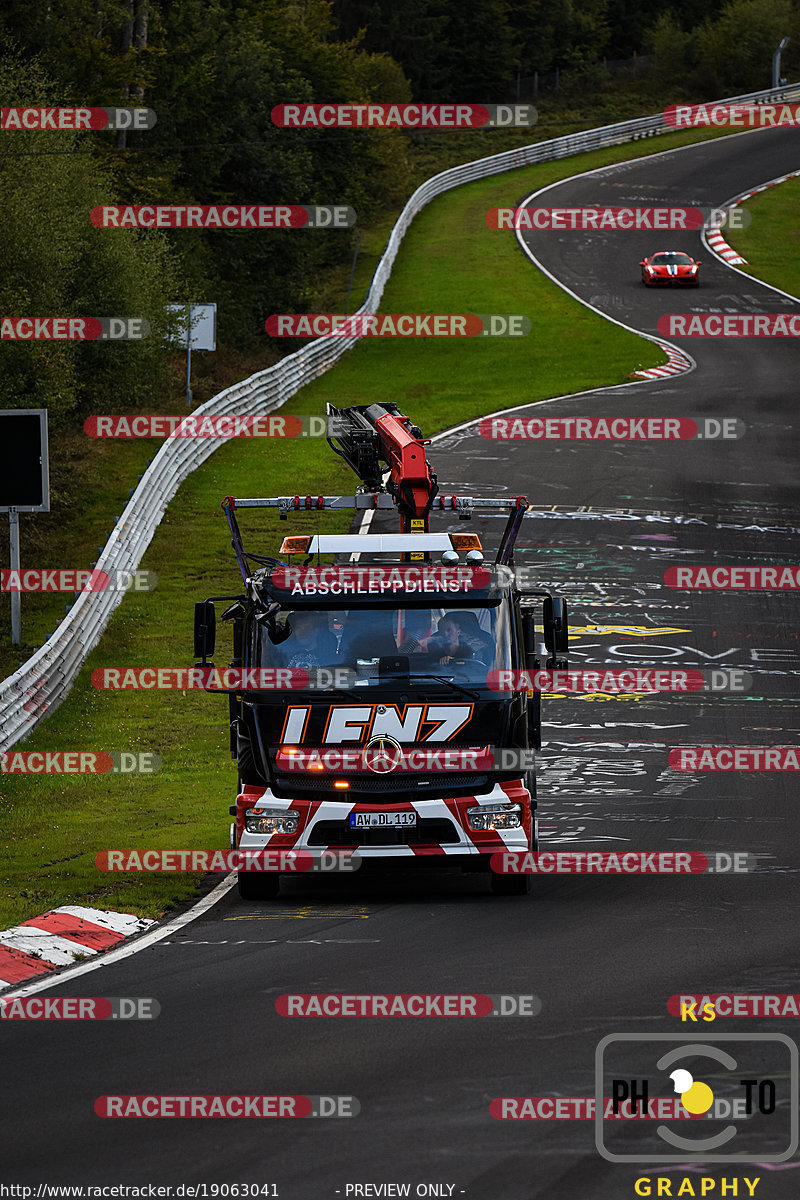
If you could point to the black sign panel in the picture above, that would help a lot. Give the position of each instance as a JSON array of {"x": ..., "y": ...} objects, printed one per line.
[{"x": 23, "y": 460}]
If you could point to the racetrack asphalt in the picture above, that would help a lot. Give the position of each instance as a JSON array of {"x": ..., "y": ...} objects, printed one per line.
[{"x": 603, "y": 954}]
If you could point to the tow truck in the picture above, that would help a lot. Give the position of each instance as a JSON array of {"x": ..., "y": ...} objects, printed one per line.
[{"x": 384, "y": 732}]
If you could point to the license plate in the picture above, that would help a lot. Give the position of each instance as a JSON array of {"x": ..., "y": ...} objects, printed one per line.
[{"x": 370, "y": 820}]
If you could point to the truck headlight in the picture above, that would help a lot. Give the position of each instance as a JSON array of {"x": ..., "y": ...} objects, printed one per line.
[
  {"x": 495, "y": 816},
  {"x": 271, "y": 820}
]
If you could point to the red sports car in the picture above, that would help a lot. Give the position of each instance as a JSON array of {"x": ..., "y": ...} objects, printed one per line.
[{"x": 668, "y": 267}]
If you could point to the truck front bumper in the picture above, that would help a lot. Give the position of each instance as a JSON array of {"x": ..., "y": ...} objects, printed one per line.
[{"x": 442, "y": 827}]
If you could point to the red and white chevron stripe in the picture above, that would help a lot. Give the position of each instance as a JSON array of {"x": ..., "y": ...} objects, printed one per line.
[
  {"x": 677, "y": 363},
  {"x": 58, "y": 938},
  {"x": 765, "y": 186},
  {"x": 714, "y": 238},
  {"x": 717, "y": 243}
]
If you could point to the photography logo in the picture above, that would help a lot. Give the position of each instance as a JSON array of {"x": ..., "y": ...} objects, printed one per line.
[
  {"x": 738, "y": 1097},
  {"x": 696, "y": 1098}
]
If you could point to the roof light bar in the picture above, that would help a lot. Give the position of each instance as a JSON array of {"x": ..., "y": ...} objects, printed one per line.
[
  {"x": 296, "y": 545},
  {"x": 377, "y": 543}
]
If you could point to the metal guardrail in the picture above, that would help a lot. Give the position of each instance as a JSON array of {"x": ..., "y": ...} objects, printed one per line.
[{"x": 41, "y": 683}]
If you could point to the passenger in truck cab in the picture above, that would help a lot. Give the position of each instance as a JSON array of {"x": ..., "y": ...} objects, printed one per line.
[{"x": 310, "y": 643}]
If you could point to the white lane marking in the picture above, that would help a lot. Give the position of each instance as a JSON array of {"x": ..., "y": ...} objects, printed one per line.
[
  {"x": 270, "y": 941},
  {"x": 473, "y": 423},
  {"x": 125, "y": 951},
  {"x": 40, "y": 943},
  {"x": 658, "y": 341},
  {"x": 125, "y": 923},
  {"x": 732, "y": 204},
  {"x": 366, "y": 520}
]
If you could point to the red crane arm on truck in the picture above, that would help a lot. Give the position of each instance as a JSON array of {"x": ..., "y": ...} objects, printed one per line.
[
  {"x": 411, "y": 480},
  {"x": 372, "y": 438},
  {"x": 369, "y": 435}
]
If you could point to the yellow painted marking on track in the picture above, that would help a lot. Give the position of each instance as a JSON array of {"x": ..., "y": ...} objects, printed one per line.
[
  {"x": 306, "y": 912},
  {"x": 625, "y": 630}
]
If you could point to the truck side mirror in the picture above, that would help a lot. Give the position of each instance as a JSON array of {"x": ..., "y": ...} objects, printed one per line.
[
  {"x": 556, "y": 627},
  {"x": 205, "y": 629}
]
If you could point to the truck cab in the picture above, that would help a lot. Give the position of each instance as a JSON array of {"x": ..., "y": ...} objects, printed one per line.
[{"x": 391, "y": 735}]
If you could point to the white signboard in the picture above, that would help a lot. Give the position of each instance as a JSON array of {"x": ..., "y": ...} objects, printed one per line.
[{"x": 203, "y": 321}]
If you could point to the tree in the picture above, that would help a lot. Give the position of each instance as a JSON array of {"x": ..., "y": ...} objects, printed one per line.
[
  {"x": 481, "y": 52},
  {"x": 674, "y": 49},
  {"x": 55, "y": 263},
  {"x": 413, "y": 34},
  {"x": 735, "y": 51}
]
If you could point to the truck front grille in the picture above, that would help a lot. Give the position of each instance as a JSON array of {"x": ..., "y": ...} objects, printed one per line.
[{"x": 375, "y": 788}]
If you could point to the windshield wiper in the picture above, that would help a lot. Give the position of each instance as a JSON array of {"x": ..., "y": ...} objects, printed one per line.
[{"x": 441, "y": 679}]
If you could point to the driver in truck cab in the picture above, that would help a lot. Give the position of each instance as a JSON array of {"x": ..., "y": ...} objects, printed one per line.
[
  {"x": 478, "y": 640},
  {"x": 310, "y": 643},
  {"x": 448, "y": 643}
]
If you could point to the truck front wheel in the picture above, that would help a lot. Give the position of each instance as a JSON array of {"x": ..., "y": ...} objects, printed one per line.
[
  {"x": 258, "y": 885},
  {"x": 511, "y": 885},
  {"x": 249, "y": 768}
]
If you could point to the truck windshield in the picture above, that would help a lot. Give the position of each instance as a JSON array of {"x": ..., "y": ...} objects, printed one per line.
[{"x": 447, "y": 642}]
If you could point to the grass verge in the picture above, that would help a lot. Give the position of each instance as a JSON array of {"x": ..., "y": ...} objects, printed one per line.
[{"x": 771, "y": 242}]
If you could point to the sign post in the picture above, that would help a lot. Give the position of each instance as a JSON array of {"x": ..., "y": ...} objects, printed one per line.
[
  {"x": 199, "y": 331},
  {"x": 16, "y": 607},
  {"x": 24, "y": 483},
  {"x": 189, "y": 356}
]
